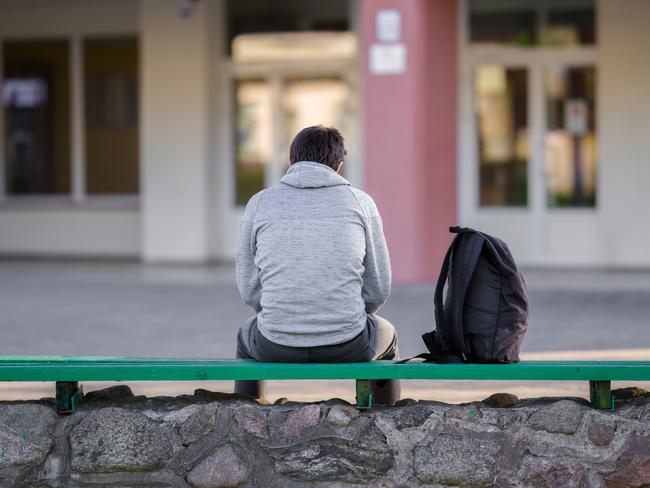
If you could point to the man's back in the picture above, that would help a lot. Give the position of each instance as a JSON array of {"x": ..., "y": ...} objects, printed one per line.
[{"x": 312, "y": 259}]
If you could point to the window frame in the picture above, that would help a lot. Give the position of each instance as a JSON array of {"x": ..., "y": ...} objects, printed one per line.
[{"x": 78, "y": 196}]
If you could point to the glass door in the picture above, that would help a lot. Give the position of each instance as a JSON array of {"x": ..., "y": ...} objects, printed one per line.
[
  {"x": 270, "y": 112},
  {"x": 533, "y": 155},
  {"x": 269, "y": 106},
  {"x": 528, "y": 167}
]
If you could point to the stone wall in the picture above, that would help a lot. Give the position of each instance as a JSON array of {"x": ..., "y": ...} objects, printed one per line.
[{"x": 217, "y": 440}]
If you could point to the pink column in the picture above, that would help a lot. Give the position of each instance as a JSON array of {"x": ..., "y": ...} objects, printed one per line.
[{"x": 410, "y": 135}]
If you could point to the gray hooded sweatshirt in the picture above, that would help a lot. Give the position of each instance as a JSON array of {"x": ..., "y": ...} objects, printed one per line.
[{"x": 312, "y": 259}]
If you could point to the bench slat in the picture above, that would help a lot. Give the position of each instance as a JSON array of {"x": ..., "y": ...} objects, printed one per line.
[{"x": 61, "y": 368}]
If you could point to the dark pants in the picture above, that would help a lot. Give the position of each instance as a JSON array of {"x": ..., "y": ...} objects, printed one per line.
[{"x": 377, "y": 341}]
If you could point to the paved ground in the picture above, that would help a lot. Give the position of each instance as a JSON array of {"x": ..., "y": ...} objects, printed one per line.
[{"x": 51, "y": 308}]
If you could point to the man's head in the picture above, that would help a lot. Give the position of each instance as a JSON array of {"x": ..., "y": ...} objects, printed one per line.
[{"x": 319, "y": 144}]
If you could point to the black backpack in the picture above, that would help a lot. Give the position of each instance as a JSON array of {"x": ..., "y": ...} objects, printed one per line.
[{"x": 484, "y": 315}]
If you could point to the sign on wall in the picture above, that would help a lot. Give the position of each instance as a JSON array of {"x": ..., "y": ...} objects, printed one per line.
[
  {"x": 389, "y": 25},
  {"x": 575, "y": 116},
  {"x": 388, "y": 56}
]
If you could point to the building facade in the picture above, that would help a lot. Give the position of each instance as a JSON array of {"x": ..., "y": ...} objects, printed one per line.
[{"x": 139, "y": 128}]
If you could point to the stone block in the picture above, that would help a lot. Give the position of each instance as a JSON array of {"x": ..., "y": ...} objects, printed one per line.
[
  {"x": 252, "y": 420},
  {"x": 601, "y": 434},
  {"x": 457, "y": 460},
  {"x": 501, "y": 400},
  {"x": 629, "y": 392},
  {"x": 466, "y": 413},
  {"x": 551, "y": 473},
  {"x": 25, "y": 433},
  {"x": 112, "y": 439},
  {"x": 335, "y": 460},
  {"x": 412, "y": 417},
  {"x": 507, "y": 419},
  {"x": 197, "y": 426},
  {"x": 112, "y": 393},
  {"x": 563, "y": 417},
  {"x": 633, "y": 466},
  {"x": 223, "y": 469},
  {"x": 342, "y": 415},
  {"x": 299, "y": 420}
]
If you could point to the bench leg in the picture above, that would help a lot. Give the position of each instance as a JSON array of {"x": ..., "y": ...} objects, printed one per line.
[
  {"x": 600, "y": 394},
  {"x": 364, "y": 395},
  {"x": 68, "y": 394}
]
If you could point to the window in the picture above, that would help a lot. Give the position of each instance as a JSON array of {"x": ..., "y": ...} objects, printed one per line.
[
  {"x": 532, "y": 23},
  {"x": 516, "y": 27},
  {"x": 36, "y": 102},
  {"x": 570, "y": 27},
  {"x": 111, "y": 94},
  {"x": 283, "y": 16}
]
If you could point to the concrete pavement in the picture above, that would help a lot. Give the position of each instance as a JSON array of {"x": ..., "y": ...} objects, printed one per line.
[{"x": 117, "y": 308}]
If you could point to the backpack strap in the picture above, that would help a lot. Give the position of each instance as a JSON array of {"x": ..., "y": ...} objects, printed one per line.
[
  {"x": 470, "y": 244},
  {"x": 434, "y": 358},
  {"x": 436, "y": 342}
]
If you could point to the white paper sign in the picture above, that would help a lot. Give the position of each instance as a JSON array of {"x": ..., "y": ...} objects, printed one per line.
[
  {"x": 575, "y": 116},
  {"x": 389, "y": 25},
  {"x": 387, "y": 59}
]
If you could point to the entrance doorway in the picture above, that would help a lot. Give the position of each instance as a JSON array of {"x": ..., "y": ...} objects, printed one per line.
[{"x": 277, "y": 85}]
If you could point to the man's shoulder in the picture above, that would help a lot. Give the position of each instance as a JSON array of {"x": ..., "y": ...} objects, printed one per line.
[
  {"x": 366, "y": 202},
  {"x": 253, "y": 204},
  {"x": 266, "y": 200},
  {"x": 268, "y": 193}
]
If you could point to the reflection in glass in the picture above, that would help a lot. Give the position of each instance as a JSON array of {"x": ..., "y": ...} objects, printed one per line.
[
  {"x": 36, "y": 99},
  {"x": 254, "y": 137},
  {"x": 570, "y": 139},
  {"x": 501, "y": 96},
  {"x": 111, "y": 91},
  {"x": 307, "y": 102}
]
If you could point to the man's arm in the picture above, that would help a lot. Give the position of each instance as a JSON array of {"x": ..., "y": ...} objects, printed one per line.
[
  {"x": 377, "y": 275},
  {"x": 248, "y": 280}
]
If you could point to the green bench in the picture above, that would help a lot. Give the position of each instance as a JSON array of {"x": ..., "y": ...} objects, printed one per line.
[{"x": 67, "y": 372}]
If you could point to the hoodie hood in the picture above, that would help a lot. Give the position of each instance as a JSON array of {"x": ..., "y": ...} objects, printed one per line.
[{"x": 308, "y": 174}]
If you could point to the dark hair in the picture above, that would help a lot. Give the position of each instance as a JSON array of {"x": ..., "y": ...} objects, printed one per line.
[{"x": 319, "y": 144}]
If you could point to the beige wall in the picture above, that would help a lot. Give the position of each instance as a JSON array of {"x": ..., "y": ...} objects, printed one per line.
[
  {"x": 62, "y": 231},
  {"x": 624, "y": 117}
]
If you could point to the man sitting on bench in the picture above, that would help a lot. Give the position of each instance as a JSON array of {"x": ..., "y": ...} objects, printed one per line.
[{"x": 313, "y": 263}]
